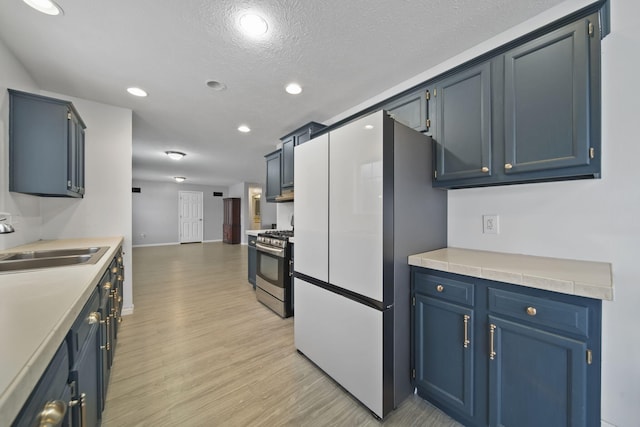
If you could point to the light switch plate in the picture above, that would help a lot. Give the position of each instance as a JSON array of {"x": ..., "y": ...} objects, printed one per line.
[{"x": 490, "y": 224}]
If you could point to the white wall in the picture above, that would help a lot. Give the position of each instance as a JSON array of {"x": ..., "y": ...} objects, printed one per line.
[
  {"x": 25, "y": 209},
  {"x": 105, "y": 209},
  {"x": 590, "y": 220},
  {"x": 155, "y": 212}
]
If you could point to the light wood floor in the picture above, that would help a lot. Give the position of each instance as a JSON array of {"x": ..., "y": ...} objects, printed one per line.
[{"x": 199, "y": 350}]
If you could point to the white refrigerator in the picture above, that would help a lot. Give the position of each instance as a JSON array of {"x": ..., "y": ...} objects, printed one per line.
[{"x": 364, "y": 203}]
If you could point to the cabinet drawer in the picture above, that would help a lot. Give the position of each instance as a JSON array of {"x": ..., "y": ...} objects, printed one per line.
[
  {"x": 82, "y": 326},
  {"x": 445, "y": 289},
  {"x": 540, "y": 311}
]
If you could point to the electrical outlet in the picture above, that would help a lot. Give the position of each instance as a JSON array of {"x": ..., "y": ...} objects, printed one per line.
[{"x": 490, "y": 224}]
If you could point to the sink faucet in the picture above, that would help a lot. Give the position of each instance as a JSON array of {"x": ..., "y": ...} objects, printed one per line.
[{"x": 5, "y": 226}]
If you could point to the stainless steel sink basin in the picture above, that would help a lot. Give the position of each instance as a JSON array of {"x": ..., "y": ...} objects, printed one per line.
[
  {"x": 16, "y": 261},
  {"x": 51, "y": 253}
]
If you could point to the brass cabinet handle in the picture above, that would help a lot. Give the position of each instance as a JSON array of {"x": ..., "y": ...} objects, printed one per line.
[
  {"x": 485, "y": 169},
  {"x": 108, "y": 323},
  {"x": 508, "y": 166},
  {"x": 52, "y": 415},
  {"x": 83, "y": 404},
  {"x": 531, "y": 311},
  {"x": 466, "y": 330},
  {"x": 93, "y": 318},
  {"x": 119, "y": 260},
  {"x": 439, "y": 288},
  {"x": 107, "y": 286},
  {"x": 492, "y": 332}
]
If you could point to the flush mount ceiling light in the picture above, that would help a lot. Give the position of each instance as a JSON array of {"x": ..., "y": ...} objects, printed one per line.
[
  {"x": 293, "y": 88},
  {"x": 175, "y": 155},
  {"x": 179, "y": 178},
  {"x": 45, "y": 6},
  {"x": 253, "y": 25},
  {"x": 136, "y": 91},
  {"x": 244, "y": 128},
  {"x": 217, "y": 86}
]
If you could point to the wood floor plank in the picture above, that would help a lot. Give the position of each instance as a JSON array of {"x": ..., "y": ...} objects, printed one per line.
[{"x": 199, "y": 350}]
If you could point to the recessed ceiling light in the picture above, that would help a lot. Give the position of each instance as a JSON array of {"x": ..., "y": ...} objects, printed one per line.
[
  {"x": 175, "y": 155},
  {"x": 179, "y": 178},
  {"x": 45, "y": 6},
  {"x": 216, "y": 85},
  {"x": 368, "y": 127},
  {"x": 136, "y": 91},
  {"x": 253, "y": 25},
  {"x": 244, "y": 128},
  {"x": 293, "y": 88}
]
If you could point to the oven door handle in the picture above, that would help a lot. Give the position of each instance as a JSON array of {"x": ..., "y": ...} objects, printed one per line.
[{"x": 274, "y": 251}]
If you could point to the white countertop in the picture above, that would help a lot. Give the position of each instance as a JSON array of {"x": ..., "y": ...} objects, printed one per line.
[
  {"x": 37, "y": 309},
  {"x": 573, "y": 277}
]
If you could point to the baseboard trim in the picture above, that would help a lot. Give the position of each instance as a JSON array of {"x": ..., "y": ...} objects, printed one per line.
[{"x": 156, "y": 244}]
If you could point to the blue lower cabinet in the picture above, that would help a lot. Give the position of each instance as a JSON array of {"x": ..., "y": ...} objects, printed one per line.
[
  {"x": 444, "y": 371},
  {"x": 494, "y": 354},
  {"x": 85, "y": 380},
  {"x": 51, "y": 396},
  {"x": 536, "y": 378}
]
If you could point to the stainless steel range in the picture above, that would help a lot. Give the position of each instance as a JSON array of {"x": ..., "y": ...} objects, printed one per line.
[{"x": 274, "y": 270}]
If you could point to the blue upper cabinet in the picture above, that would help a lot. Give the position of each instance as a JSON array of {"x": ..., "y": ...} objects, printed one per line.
[
  {"x": 286, "y": 175},
  {"x": 281, "y": 163},
  {"x": 46, "y": 146},
  {"x": 410, "y": 110},
  {"x": 546, "y": 95},
  {"x": 530, "y": 113},
  {"x": 461, "y": 121}
]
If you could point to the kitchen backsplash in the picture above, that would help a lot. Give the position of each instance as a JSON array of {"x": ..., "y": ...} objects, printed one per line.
[{"x": 284, "y": 212}]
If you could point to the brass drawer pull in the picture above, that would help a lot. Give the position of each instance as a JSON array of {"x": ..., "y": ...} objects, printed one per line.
[
  {"x": 531, "y": 311},
  {"x": 492, "y": 332},
  {"x": 508, "y": 166},
  {"x": 82, "y": 402},
  {"x": 439, "y": 288},
  {"x": 485, "y": 169},
  {"x": 466, "y": 330}
]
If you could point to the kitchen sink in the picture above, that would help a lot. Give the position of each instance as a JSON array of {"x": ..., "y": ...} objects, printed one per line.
[{"x": 16, "y": 261}]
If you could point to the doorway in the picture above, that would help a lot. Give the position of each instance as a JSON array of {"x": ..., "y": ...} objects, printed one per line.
[{"x": 190, "y": 216}]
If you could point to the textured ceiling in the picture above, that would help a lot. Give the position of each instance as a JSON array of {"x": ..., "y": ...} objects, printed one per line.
[{"x": 341, "y": 52}]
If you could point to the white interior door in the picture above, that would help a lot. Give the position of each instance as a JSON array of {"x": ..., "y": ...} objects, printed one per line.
[{"x": 190, "y": 216}]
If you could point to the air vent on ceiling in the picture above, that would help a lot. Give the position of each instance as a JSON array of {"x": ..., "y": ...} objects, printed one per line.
[
  {"x": 136, "y": 190},
  {"x": 217, "y": 194}
]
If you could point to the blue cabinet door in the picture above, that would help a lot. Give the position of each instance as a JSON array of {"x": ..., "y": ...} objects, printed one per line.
[
  {"x": 443, "y": 353},
  {"x": 273, "y": 175},
  {"x": 536, "y": 378},
  {"x": 286, "y": 174},
  {"x": 410, "y": 110},
  {"x": 547, "y": 102},
  {"x": 85, "y": 376},
  {"x": 462, "y": 119}
]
